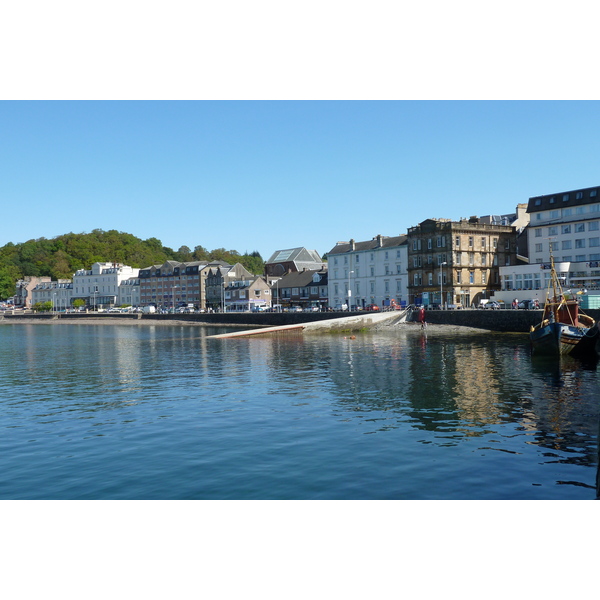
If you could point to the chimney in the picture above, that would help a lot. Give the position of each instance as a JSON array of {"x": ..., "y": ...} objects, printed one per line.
[{"x": 352, "y": 245}]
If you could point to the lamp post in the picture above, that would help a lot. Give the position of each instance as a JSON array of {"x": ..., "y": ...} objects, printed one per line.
[
  {"x": 54, "y": 304},
  {"x": 442, "y": 285},
  {"x": 173, "y": 296},
  {"x": 349, "y": 290}
]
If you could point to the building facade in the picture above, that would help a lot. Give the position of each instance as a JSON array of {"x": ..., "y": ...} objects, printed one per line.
[
  {"x": 99, "y": 286},
  {"x": 457, "y": 262},
  {"x": 565, "y": 225},
  {"x": 59, "y": 293},
  {"x": 371, "y": 272},
  {"x": 306, "y": 289},
  {"x": 24, "y": 289}
]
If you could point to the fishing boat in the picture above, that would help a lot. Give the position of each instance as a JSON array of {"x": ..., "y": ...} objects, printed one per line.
[{"x": 564, "y": 329}]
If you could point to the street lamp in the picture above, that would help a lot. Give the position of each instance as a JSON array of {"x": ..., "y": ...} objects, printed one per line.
[
  {"x": 349, "y": 290},
  {"x": 173, "y": 296},
  {"x": 442, "y": 285}
]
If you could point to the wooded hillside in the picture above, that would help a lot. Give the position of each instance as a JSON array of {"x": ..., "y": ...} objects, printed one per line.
[{"x": 61, "y": 256}]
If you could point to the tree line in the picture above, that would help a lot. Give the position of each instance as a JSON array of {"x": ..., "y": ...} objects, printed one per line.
[{"x": 61, "y": 256}]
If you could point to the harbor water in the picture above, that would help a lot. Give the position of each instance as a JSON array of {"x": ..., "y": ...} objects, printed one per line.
[{"x": 139, "y": 411}]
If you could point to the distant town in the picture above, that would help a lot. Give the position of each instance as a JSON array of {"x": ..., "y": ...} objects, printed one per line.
[{"x": 480, "y": 261}]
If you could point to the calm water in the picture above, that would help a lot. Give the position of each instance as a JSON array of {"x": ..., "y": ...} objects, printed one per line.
[{"x": 162, "y": 412}]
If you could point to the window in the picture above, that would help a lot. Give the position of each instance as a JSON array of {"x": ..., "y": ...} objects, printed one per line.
[
  {"x": 483, "y": 242},
  {"x": 372, "y": 256},
  {"x": 579, "y": 210},
  {"x": 593, "y": 193},
  {"x": 373, "y": 269},
  {"x": 398, "y": 269},
  {"x": 538, "y": 201},
  {"x": 357, "y": 258},
  {"x": 430, "y": 278},
  {"x": 538, "y": 247},
  {"x": 495, "y": 242},
  {"x": 565, "y": 229},
  {"x": 579, "y": 257},
  {"x": 483, "y": 259},
  {"x": 553, "y": 246},
  {"x": 579, "y": 243},
  {"x": 554, "y": 214},
  {"x": 372, "y": 285},
  {"x": 594, "y": 242},
  {"x": 567, "y": 212},
  {"x": 551, "y": 200},
  {"x": 429, "y": 244},
  {"x": 538, "y": 233},
  {"x": 397, "y": 253},
  {"x": 457, "y": 241},
  {"x": 458, "y": 258},
  {"x": 579, "y": 227},
  {"x": 471, "y": 276},
  {"x": 552, "y": 230},
  {"x": 565, "y": 259},
  {"x": 470, "y": 241},
  {"x": 565, "y": 197},
  {"x": 386, "y": 255},
  {"x": 458, "y": 277},
  {"x": 578, "y": 196},
  {"x": 483, "y": 278},
  {"x": 593, "y": 225},
  {"x": 566, "y": 244}
]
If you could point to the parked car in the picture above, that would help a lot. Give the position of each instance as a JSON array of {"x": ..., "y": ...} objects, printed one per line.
[
  {"x": 493, "y": 305},
  {"x": 372, "y": 307},
  {"x": 528, "y": 304}
]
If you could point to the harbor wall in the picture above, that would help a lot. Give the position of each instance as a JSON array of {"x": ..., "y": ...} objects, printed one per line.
[{"x": 494, "y": 320}]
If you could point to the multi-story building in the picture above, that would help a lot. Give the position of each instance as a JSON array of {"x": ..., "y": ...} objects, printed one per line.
[
  {"x": 372, "y": 272},
  {"x": 24, "y": 290},
  {"x": 247, "y": 294},
  {"x": 129, "y": 292},
  {"x": 99, "y": 286},
  {"x": 565, "y": 225},
  {"x": 457, "y": 262},
  {"x": 306, "y": 289},
  {"x": 175, "y": 282},
  {"x": 59, "y": 293},
  {"x": 221, "y": 277}
]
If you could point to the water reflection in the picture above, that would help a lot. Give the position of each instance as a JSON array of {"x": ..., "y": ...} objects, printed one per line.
[{"x": 388, "y": 415}]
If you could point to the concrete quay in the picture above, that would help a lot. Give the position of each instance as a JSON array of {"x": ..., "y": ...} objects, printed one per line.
[{"x": 504, "y": 320}]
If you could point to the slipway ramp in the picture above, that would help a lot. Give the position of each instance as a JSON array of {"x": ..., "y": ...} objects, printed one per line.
[{"x": 352, "y": 323}]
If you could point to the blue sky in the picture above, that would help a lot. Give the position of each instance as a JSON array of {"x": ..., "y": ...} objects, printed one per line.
[{"x": 268, "y": 175}]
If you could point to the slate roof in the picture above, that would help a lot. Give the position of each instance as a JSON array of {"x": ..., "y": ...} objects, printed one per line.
[
  {"x": 386, "y": 242},
  {"x": 302, "y": 278}
]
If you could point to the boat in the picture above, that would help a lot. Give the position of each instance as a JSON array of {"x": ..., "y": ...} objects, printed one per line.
[{"x": 564, "y": 329}]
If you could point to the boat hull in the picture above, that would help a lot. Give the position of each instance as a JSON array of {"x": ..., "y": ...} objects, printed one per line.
[{"x": 556, "y": 339}]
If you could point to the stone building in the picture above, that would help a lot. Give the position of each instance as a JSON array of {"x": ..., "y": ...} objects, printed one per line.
[{"x": 457, "y": 262}]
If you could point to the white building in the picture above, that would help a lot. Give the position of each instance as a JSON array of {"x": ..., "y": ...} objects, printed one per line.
[
  {"x": 373, "y": 272},
  {"x": 129, "y": 292},
  {"x": 59, "y": 293},
  {"x": 566, "y": 224},
  {"x": 100, "y": 285}
]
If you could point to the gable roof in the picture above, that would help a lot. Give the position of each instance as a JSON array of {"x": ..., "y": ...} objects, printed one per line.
[
  {"x": 296, "y": 255},
  {"x": 302, "y": 278}
]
